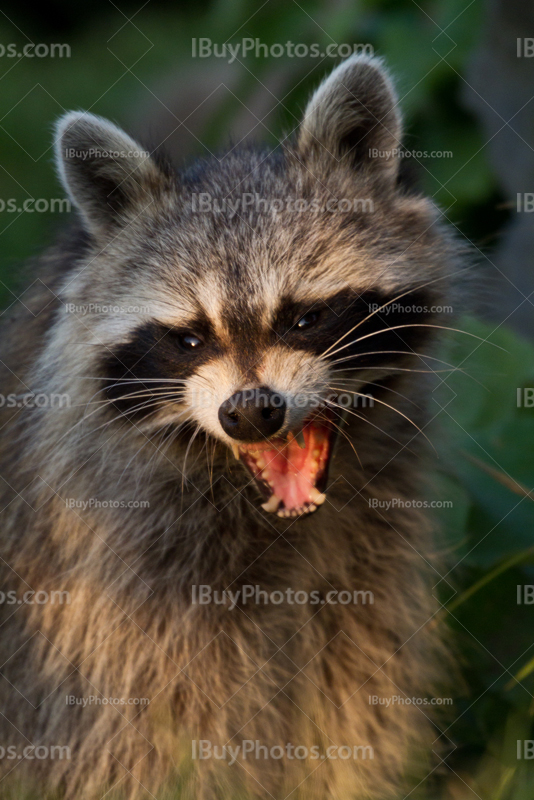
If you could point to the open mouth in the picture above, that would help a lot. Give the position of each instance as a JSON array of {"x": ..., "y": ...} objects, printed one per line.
[{"x": 292, "y": 473}]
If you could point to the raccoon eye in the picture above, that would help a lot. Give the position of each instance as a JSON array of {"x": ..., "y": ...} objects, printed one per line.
[
  {"x": 190, "y": 342},
  {"x": 308, "y": 320}
]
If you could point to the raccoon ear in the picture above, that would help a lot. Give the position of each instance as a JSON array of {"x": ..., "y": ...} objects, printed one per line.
[
  {"x": 107, "y": 175},
  {"x": 353, "y": 118}
]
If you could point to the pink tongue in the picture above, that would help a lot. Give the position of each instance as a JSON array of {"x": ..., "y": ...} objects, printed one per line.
[{"x": 292, "y": 471}]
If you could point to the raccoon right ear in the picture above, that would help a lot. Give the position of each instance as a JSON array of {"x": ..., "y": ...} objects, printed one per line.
[
  {"x": 107, "y": 175},
  {"x": 353, "y": 120}
]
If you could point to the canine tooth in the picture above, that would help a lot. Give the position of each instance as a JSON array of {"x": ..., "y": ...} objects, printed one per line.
[
  {"x": 272, "y": 504},
  {"x": 235, "y": 451},
  {"x": 316, "y": 496},
  {"x": 300, "y": 439}
]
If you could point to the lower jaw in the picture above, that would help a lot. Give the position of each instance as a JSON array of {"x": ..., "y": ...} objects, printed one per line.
[{"x": 275, "y": 505}]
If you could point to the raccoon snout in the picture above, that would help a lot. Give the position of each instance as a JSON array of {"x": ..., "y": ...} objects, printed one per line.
[{"x": 252, "y": 414}]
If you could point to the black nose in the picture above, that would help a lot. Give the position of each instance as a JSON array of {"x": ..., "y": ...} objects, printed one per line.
[{"x": 252, "y": 414}]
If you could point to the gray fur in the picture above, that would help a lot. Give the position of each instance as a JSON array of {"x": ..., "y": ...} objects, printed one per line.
[{"x": 289, "y": 673}]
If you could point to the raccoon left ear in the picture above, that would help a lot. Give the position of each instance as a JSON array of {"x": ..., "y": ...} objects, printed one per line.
[
  {"x": 353, "y": 119},
  {"x": 109, "y": 177}
]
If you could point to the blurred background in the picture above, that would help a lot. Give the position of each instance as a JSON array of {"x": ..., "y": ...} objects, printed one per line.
[{"x": 464, "y": 72}]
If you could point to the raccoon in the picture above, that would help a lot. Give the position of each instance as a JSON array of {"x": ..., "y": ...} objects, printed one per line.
[{"x": 218, "y": 596}]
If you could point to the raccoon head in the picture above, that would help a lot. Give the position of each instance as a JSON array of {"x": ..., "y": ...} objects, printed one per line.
[{"x": 260, "y": 285}]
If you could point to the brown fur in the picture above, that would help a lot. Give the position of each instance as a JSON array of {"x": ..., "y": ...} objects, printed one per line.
[{"x": 274, "y": 673}]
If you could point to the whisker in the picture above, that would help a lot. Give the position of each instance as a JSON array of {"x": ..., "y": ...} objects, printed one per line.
[
  {"x": 175, "y": 427},
  {"x": 390, "y": 370},
  {"x": 150, "y": 466},
  {"x": 105, "y": 388},
  {"x": 417, "y": 325},
  {"x": 381, "y": 386},
  {"x": 406, "y": 353},
  {"x": 191, "y": 440},
  {"x": 346, "y": 436},
  {"x": 85, "y": 417},
  {"x": 124, "y": 415},
  {"x": 359, "y": 416},
  {"x": 134, "y": 380},
  {"x": 141, "y": 393},
  {"x": 393, "y": 300},
  {"x": 383, "y": 403}
]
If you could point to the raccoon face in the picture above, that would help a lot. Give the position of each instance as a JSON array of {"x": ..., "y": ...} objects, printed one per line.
[{"x": 261, "y": 285}]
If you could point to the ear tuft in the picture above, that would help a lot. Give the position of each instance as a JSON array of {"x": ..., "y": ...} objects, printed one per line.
[
  {"x": 107, "y": 175},
  {"x": 353, "y": 118}
]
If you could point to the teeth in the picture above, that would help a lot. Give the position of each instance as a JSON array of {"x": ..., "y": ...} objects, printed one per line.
[
  {"x": 235, "y": 451},
  {"x": 316, "y": 496},
  {"x": 260, "y": 463},
  {"x": 272, "y": 504},
  {"x": 284, "y": 512},
  {"x": 300, "y": 439}
]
